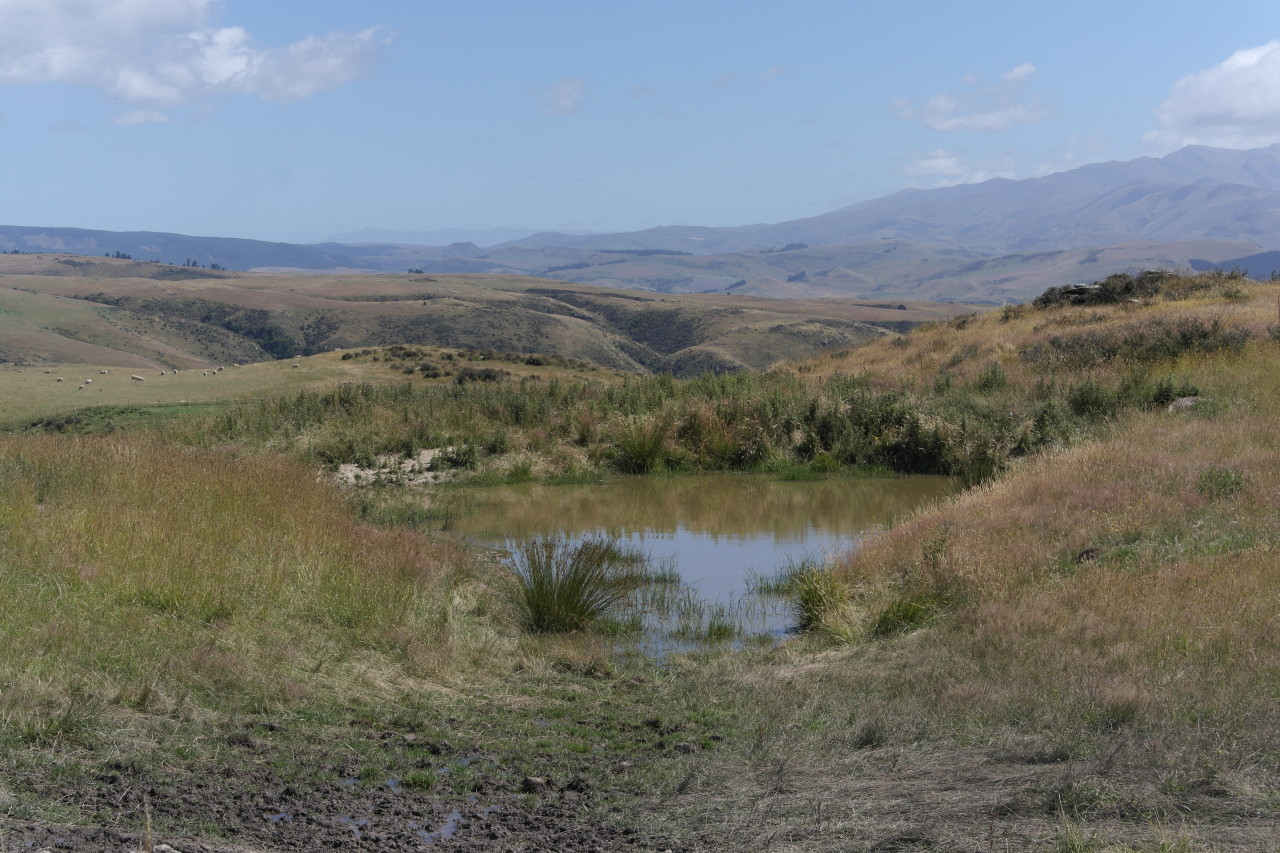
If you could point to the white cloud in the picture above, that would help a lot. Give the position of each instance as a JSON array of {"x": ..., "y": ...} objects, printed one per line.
[
  {"x": 563, "y": 97},
  {"x": 944, "y": 168},
  {"x": 163, "y": 54},
  {"x": 1000, "y": 106},
  {"x": 1235, "y": 104}
]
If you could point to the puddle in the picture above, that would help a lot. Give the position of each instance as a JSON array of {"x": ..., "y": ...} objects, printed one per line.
[
  {"x": 446, "y": 830},
  {"x": 716, "y": 535}
]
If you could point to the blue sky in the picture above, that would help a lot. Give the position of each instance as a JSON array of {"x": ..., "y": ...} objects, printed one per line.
[{"x": 294, "y": 121}]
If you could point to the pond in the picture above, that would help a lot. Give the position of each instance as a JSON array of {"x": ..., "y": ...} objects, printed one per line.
[{"x": 722, "y": 533}]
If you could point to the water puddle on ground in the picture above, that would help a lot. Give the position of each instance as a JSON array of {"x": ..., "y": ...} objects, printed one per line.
[{"x": 723, "y": 535}]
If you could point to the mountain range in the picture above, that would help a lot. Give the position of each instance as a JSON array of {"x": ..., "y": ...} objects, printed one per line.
[{"x": 993, "y": 241}]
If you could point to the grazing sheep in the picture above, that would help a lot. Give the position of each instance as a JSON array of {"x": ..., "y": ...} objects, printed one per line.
[
  {"x": 162, "y": 373},
  {"x": 79, "y": 387},
  {"x": 88, "y": 382},
  {"x": 204, "y": 373},
  {"x": 103, "y": 372},
  {"x": 59, "y": 379},
  {"x": 136, "y": 378},
  {"x": 297, "y": 365}
]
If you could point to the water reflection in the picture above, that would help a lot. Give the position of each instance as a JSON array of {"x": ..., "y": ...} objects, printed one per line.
[{"x": 717, "y": 530}]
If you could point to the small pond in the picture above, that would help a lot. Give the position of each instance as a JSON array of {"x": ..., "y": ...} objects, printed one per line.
[{"x": 722, "y": 533}]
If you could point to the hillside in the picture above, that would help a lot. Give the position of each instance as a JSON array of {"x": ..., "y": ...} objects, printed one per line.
[
  {"x": 59, "y": 308},
  {"x": 211, "y": 642}
]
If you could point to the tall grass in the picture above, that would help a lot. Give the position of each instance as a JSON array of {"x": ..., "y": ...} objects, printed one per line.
[
  {"x": 560, "y": 585},
  {"x": 137, "y": 568}
]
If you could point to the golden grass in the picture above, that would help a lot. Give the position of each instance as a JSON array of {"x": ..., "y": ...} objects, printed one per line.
[
  {"x": 1101, "y": 584},
  {"x": 133, "y": 567}
]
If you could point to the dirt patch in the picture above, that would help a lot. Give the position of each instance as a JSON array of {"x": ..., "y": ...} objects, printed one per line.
[
  {"x": 256, "y": 810},
  {"x": 416, "y": 471}
]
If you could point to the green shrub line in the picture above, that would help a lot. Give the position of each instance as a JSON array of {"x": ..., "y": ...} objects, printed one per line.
[{"x": 770, "y": 422}]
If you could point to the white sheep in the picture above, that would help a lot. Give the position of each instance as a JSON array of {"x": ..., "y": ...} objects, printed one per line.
[
  {"x": 136, "y": 378},
  {"x": 103, "y": 372},
  {"x": 59, "y": 379}
]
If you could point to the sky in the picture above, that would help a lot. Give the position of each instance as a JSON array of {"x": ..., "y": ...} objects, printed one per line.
[{"x": 295, "y": 121}]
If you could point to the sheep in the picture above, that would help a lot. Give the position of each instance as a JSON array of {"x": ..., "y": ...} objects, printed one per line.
[
  {"x": 103, "y": 372},
  {"x": 204, "y": 373},
  {"x": 79, "y": 387},
  {"x": 162, "y": 373},
  {"x": 136, "y": 378},
  {"x": 88, "y": 382},
  {"x": 59, "y": 379},
  {"x": 297, "y": 366}
]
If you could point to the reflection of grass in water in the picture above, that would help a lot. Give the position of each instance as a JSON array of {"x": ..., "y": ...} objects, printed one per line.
[
  {"x": 653, "y": 608},
  {"x": 407, "y": 508},
  {"x": 782, "y": 583}
]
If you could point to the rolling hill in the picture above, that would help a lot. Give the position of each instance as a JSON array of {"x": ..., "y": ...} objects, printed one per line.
[{"x": 110, "y": 311}]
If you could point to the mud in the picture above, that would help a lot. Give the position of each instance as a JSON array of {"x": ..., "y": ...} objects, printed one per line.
[{"x": 254, "y": 811}]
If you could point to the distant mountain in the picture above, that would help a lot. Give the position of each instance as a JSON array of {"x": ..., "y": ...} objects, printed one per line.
[
  {"x": 441, "y": 237},
  {"x": 993, "y": 241},
  {"x": 228, "y": 252},
  {"x": 1197, "y": 193}
]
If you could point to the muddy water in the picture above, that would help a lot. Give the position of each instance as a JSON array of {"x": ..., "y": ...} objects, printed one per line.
[{"x": 719, "y": 531}]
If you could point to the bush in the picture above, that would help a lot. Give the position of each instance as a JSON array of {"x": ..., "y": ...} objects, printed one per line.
[{"x": 1219, "y": 482}]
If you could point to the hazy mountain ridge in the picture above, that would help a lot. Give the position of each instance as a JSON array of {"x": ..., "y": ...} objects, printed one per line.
[{"x": 1197, "y": 204}]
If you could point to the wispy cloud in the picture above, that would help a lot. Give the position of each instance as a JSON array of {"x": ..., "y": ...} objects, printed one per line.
[
  {"x": 777, "y": 72},
  {"x": 727, "y": 80},
  {"x": 1235, "y": 104},
  {"x": 144, "y": 116},
  {"x": 943, "y": 167},
  {"x": 159, "y": 55},
  {"x": 1004, "y": 104},
  {"x": 642, "y": 93},
  {"x": 563, "y": 97}
]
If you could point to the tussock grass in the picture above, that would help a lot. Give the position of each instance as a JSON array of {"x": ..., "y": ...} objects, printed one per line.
[
  {"x": 137, "y": 573},
  {"x": 562, "y": 586},
  {"x": 1125, "y": 581}
]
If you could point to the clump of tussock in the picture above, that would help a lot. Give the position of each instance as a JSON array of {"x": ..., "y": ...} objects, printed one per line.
[{"x": 560, "y": 586}]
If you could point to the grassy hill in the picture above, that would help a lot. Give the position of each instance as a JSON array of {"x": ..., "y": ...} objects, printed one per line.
[
  {"x": 207, "y": 640},
  {"x": 57, "y": 308}
]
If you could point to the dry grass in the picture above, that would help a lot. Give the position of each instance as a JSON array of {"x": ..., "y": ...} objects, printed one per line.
[
  {"x": 1132, "y": 578},
  {"x": 136, "y": 572}
]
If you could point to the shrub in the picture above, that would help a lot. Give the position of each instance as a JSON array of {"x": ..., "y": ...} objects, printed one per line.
[
  {"x": 1217, "y": 482},
  {"x": 992, "y": 378},
  {"x": 1092, "y": 401}
]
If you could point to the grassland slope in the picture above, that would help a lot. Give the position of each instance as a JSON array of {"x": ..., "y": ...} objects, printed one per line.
[{"x": 60, "y": 308}]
